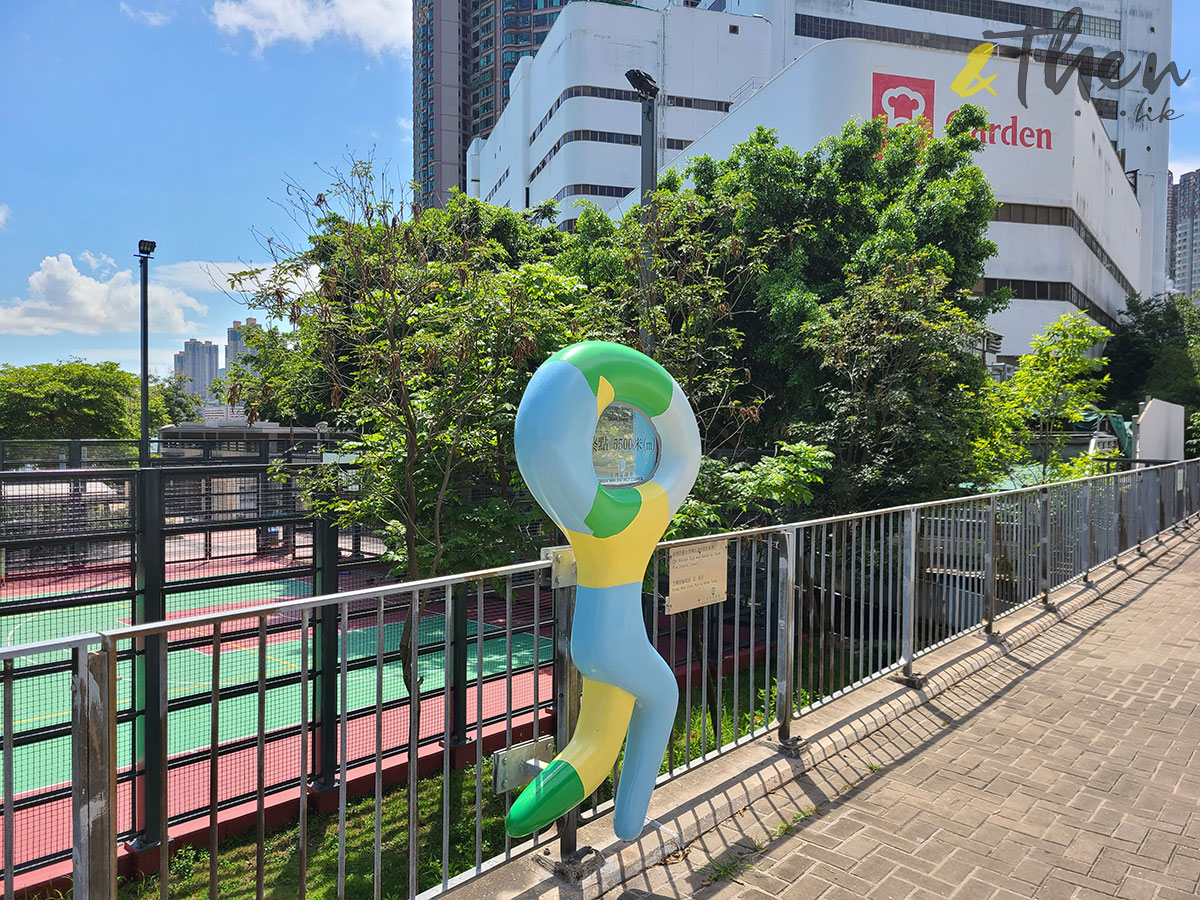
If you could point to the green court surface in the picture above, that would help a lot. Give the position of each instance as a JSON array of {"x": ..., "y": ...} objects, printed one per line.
[{"x": 45, "y": 700}]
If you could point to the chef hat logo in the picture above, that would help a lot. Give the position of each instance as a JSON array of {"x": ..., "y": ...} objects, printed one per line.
[{"x": 902, "y": 104}]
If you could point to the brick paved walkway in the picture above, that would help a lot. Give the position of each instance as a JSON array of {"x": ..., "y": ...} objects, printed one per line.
[{"x": 1069, "y": 769}]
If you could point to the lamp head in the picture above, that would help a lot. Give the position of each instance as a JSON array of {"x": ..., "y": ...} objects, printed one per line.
[
  {"x": 642, "y": 83},
  {"x": 145, "y": 248}
]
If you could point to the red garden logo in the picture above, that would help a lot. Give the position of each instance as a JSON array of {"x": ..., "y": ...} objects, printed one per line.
[{"x": 901, "y": 98}]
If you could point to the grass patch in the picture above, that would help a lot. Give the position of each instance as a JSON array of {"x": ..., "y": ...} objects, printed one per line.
[{"x": 720, "y": 869}]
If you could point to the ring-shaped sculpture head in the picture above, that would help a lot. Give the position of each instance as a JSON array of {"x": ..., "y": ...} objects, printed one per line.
[{"x": 610, "y": 527}]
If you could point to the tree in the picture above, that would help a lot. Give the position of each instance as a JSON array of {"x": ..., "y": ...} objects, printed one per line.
[
  {"x": 171, "y": 402},
  {"x": 72, "y": 399},
  {"x": 1155, "y": 351},
  {"x": 1054, "y": 386},
  {"x": 692, "y": 306},
  {"x": 905, "y": 391},
  {"x": 729, "y": 496},
  {"x": 848, "y": 207},
  {"x": 418, "y": 337}
]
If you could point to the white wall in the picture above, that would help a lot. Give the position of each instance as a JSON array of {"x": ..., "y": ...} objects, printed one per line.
[
  {"x": 1145, "y": 28},
  {"x": 689, "y": 52},
  {"x": 1076, "y": 166},
  {"x": 1160, "y": 428}
]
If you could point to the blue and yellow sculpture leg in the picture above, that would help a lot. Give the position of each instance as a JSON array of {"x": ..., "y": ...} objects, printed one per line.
[
  {"x": 609, "y": 644},
  {"x": 627, "y": 688}
]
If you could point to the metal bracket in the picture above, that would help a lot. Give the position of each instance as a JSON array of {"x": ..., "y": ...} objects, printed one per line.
[
  {"x": 516, "y": 766},
  {"x": 792, "y": 748},
  {"x": 573, "y": 868},
  {"x": 563, "y": 571}
]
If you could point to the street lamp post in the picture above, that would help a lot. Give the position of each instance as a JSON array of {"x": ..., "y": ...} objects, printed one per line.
[
  {"x": 647, "y": 90},
  {"x": 145, "y": 248}
]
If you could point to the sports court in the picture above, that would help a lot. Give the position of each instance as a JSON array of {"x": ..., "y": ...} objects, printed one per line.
[{"x": 37, "y": 699}]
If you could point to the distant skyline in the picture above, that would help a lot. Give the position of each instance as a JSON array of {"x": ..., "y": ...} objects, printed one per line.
[{"x": 179, "y": 121}]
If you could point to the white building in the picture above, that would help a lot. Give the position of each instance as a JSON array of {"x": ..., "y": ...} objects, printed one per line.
[
  {"x": 1068, "y": 232},
  {"x": 1073, "y": 232},
  {"x": 572, "y": 127},
  {"x": 1138, "y": 32}
]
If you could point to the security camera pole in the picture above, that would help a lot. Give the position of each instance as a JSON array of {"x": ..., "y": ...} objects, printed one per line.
[
  {"x": 647, "y": 90},
  {"x": 145, "y": 248}
]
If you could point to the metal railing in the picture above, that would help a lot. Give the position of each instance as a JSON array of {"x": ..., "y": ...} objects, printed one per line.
[
  {"x": 115, "y": 453},
  {"x": 94, "y": 550},
  {"x": 274, "y": 716}
]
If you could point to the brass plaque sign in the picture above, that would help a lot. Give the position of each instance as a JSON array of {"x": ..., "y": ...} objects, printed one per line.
[{"x": 699, "y": 575}]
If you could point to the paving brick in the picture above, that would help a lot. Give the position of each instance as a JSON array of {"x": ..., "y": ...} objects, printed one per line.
[
  {"x": 1067, "y": 770},
  {"x": 809, "y": 887}
]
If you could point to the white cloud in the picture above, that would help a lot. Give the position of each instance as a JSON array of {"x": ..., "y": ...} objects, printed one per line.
[
  {"x": 1180, "y": 165},
  {"x": 199, "y": 276},
  {"x": 381, "y": 26},
  {"x": 103, "y": 263},
  {"x": 63, "y": 299},
  {"x": 145, "y": 16},
  {"x": 4, "y": 214}
]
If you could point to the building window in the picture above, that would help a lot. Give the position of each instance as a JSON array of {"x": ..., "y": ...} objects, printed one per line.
[
  {"x": 625, "y": 95},
  {"x": 832, "y": 29},
  {"x": 602, "y": 137},
  {"x": 593, "y": 190},
  {"x": 1017, "y": 13},
  {"x": 496, "y": 187},
  {"x": 1024, "y": 289},
  {"x": 1033, "y": 214}
]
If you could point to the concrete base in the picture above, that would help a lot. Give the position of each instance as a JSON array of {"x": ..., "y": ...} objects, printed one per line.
[{"x": 696, "y": 801}]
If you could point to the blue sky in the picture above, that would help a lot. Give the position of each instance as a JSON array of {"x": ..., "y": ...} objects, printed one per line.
[{"x": 178, "y": 120}]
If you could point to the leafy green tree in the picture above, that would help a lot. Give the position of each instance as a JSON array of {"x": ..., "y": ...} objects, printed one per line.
[
  {"x": 71, "y": 399},
  {"x": 1155, "y": 351},
  {"x": 691, "y": 306},
  {"x": 905, "y": 388},
  {"x": 170, "y": 400},
  {"x": 729, "y": 496},
  {"x": 419, "y": 337},
  {"x": 848, "y": 207},
  {"x": 1054, "y": 386}
]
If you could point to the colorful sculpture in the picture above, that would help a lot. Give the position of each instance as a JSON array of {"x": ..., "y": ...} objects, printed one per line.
[{"x": 627, "y": 687}]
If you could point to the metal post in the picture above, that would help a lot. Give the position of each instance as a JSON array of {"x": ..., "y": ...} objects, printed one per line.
[
  {"x": 94, "y": 773},
  {"x": 786, "y": 615},
  {"x": 1160, "y": 512},
  {"x": 325, "y": 656},
  {"x": 1139, "y": 493},
  {"x": 647, "y": 90},
  {"x": 1044, "y": 544},
  {"x": 145, "y": 248},
  {"x": 908, "y": 601},
  {"x": 566, "y": 700},
  {"x": 989, "y": 569},
  {"x": 150, "y": 689},
  {"x": 1087, "y": 532},
  {"x": 459, "y": 652}
]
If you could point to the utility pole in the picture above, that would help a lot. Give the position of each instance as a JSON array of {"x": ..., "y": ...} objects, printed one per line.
[
  {"x": 145, "y": 248},
  {"x": 647, "y": 90}
]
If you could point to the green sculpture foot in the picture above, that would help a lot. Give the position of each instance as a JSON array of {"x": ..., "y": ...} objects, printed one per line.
[{"x": 556, "y": 791}]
